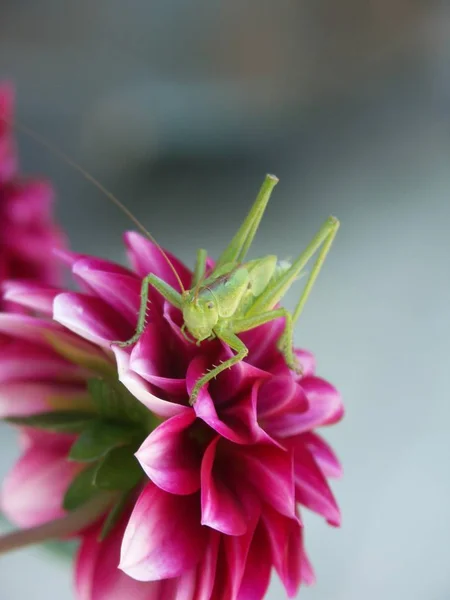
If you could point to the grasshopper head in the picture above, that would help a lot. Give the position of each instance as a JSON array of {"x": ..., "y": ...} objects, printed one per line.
[{"x": 200, "y": 314}]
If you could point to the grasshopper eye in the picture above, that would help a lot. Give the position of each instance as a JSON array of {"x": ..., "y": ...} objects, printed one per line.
[{"x": 210, "y": 305}]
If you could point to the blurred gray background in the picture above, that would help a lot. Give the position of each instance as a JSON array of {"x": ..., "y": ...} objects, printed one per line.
[{"x": 180, "y": 108}]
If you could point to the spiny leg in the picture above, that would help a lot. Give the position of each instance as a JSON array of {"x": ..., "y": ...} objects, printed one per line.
[
  {"x": 241, "y": 352},
  {"x": 169, "y": 293},
  {"x": 285, "y": 343},
  {"x": 315, "y": 272},
  {"x": 200, "y": 267},
  {"x": 268, "y": 299},
  {"x": 241, "y": 242},
  {"x": 275, "y": 291}
]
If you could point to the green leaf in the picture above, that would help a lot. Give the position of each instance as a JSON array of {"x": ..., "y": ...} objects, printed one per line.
[
  {"x": 114, "y": 402},
  {"x": 113, "y": 516},
  {"x": 99, "y": 438},
  {"x": 60, "y": 421},
  {"x": 82, "y": 489},
  {"x": 119, "y": 470}
]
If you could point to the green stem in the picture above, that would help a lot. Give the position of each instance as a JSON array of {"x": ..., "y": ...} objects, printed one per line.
[{"x": 60, "y": 528}]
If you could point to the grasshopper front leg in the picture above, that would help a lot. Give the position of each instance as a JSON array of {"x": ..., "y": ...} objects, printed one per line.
[
  {"x": 167, "y": 291},
  {"x": 235, "y": 344}
]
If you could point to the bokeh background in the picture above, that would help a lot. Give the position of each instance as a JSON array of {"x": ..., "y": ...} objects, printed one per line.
[{"x": 180, "y": 108}]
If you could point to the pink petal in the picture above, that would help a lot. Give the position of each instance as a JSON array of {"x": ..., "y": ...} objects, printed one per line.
[
  {"x": 91, "y": 318},
  {"x": 147, "y": 258},
  {"x": 33, "y": 491},
  {"x": 45, "y": 333},
  {"x": 270, "y": 471},
  {"x": 307, "y": 361},
  {"x": 68, "y": 258},
  {"x": 31, "y": 295},
  {"x": 164, "y": 537},
  {"x": 85, "y": 563},
  {"x": 262, "y": 341},
  {"x": 323, "y": 454},
  {"x": 206, "y": 570},
  {"x": 20, "y": 361},
  {"x": 235, "y": 380},
  {"x": 8, "y": 155},
  {"x": 324, "y": 408},
  {"x": 307, "y": 572},
  {"x": 286, "y": 541},
  {"x": 312, "y": 489},
  {"x": 115, "y": 285},
  {"x": 221, "y": 509},
  {"x": 98, "y": 578},
  {"x": 29, "y": 205},
  {"x": 233, "y": 557},
  {"x": 256, "y": 578},
  {"x": 57, "y": 442},
  {"x": 241, "y": 416},
  {"x": 278, "y": 396},
  {"x": 205, "y": 407},
  {"x": 170, "y": 456},
  {"x": 152, "y": 360},
  {"x": 174, "y": 319},
  {"x": 28, "y": 398},
  {"x": 141, "y": 389}
]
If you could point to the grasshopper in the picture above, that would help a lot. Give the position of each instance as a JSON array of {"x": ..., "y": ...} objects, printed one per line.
[{"x": 238, "y": 296}]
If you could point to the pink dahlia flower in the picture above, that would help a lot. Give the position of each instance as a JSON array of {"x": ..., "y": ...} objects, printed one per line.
[
  {"x": 27, "y": 231},
  {"x": 207, "y": 499}
]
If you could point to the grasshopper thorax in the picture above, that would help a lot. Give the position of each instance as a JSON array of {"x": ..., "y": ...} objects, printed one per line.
[{"x": 200, "y": 313}]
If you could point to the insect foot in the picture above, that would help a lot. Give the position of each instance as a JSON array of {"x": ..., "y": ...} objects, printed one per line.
[{"x": 285, "y": 347}]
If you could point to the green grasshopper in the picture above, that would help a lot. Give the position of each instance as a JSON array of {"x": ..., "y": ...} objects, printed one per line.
[{"x": 238, "y": 296}]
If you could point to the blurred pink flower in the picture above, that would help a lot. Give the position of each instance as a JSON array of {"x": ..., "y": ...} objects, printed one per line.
[
  {"x": 27, "y": 230},
  {"x": 217, "y": 502}
]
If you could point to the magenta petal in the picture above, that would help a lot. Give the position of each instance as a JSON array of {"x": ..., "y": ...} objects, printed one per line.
[
  {"x": 270, "y": 471},
  {"x": 91, "y": 318},
  {"x": 20, "y": 361},
  {"x": 232, "y": 561},
  {"x": 261, "y": 342},
  {"x": 256, "y": 578},
  {"x": 323, "y": 454},
  {"x": 221, "y": 509},
  {"x": 28, "y": 398},
  {"x": 170, "y": 457},
  {"x": 33, "y": 491},
  {"x": 147, "y": 258},
  {"x": 235, "y": 380},
  {"x": 242, "y": 418},
  {"x": 307, "y": 361},
  {"x": 116, "y": 286},
  {"x": 31, "y": 295},
  {"x": 279, "y": 396},
  {"x": 98, "y": 578},
  {"x": 140, "y": 388},
  {"x": 164, "y": 537},
  {"x": 205, "y": 409},
  {"x": 312, "y": 489},
  {"x": 286, "y": 541},
  {"x": 206, "y": 570},
  {"x": 85, "y": 564},
  {"x": 307, "y": 572},
  {"x": 149, "y": 360},
  {"x": 324, "y": 408}
]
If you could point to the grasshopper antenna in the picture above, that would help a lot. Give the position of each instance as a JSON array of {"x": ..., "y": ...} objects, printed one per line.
[{"x": 69, "y": 161}]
